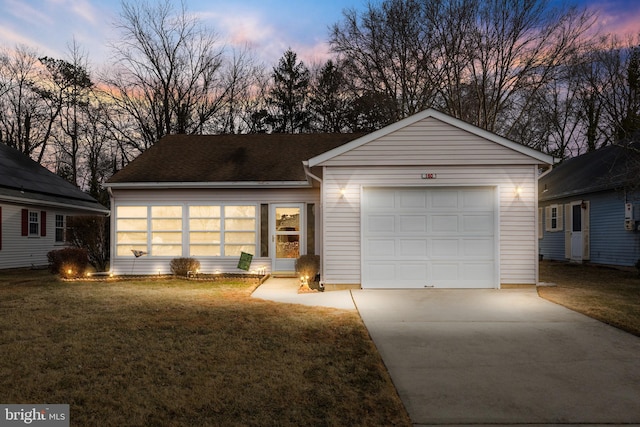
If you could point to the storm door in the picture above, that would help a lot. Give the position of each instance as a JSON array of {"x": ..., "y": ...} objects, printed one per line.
[{"x": 287, "y": 236}]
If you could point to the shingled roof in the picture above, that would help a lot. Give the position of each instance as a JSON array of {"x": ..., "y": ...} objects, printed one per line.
[
  {"x": 26, "y": 181},
  {"x": 228, "y": 158},
  {"x": 608, "y": 168}
]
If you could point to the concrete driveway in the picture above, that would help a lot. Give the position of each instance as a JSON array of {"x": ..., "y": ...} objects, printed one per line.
[{"x": 501, "y": 357}]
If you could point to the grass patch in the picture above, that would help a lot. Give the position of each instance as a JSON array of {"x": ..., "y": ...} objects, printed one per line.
[
  {"x": 178, "y": 352},
  {"x": 607, "y": 294}
]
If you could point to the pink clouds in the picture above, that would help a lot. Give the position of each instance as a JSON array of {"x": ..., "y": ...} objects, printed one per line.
[{"x": 621, "y": 17}]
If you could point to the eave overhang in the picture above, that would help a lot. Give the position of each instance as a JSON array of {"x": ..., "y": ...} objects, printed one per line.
[{"x": 206, "y": 185}]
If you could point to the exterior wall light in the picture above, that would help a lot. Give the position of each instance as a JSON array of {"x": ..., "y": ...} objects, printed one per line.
[{"x": 518, "y": 191}]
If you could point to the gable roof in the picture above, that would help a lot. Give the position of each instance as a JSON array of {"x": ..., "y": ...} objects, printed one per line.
[
  {"x": 26, "y": 181},
  {"x": 535, "y": 155},
  {"x": 247, "y": 158},
  {"x": 608, "y": 168}
]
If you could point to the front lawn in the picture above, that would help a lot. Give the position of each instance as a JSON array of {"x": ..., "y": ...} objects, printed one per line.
[
  {"x": 607, "y": 294},
  {"x": 177, "y": 352}
]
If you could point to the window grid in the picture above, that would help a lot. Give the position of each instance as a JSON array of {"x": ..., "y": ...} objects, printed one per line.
[
  {"x": 34, "y": 223},
  {"x": 204, "y": 230},
  {"x": 166, "y": 230},
  {"x": 60, "y": 229},
  {"x": 212, "y": 230},
  {"x": 131, "y": 226}
]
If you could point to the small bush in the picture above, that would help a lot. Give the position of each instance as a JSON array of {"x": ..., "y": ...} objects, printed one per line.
[
  {"x": 308, "y": 266},
  {"x": 69, "y": 263},
  {"x": 181, "y": 266}
]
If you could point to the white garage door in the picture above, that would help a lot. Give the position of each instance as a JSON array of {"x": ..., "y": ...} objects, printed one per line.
[{"x": 436, "y": 237}]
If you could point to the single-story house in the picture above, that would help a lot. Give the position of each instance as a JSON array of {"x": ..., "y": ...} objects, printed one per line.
[
  {"x": 590, "y": 208},
  {"x": 34, "y": 206},
  {"x": 429, "y": 201}
]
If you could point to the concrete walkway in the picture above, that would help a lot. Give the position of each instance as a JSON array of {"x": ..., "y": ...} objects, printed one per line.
[
  {"x": 492, "y": 357},
  {"x": 284, "y": 289}
]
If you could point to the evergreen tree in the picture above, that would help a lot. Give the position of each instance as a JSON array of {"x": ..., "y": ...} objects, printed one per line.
[{"x": 289, "y": 95}]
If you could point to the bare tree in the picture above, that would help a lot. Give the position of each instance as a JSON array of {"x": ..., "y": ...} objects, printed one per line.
[
  {"x": 386, "y": 50},
  {"x": 241, "y": 77},
  {"x": 479, "y": 60},
  {"x": 28, "y": 109},
  {"x": 167, "y": 71}
]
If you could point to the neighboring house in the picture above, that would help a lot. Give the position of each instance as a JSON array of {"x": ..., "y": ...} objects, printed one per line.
[
  {"x": 429, "y": 201},
  {"x": 587, "y": 210},
  {"x": 34, "y": 206}
]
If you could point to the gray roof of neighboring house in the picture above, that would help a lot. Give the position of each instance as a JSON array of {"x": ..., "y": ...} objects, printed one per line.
[
  {"x": 22, "y": 179},
  {"x": 245, "y": 158},
  {"x": 611, "y": 167}
]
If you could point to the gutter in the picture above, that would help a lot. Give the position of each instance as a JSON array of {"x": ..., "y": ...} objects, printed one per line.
[
  {"x": 37, "y": 202},
  {"x": 206, "y": 185},
  {"x": 307, "y": 171}
]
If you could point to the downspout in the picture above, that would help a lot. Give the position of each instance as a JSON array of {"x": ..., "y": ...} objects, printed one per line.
[{"x": 320, "y": 219}]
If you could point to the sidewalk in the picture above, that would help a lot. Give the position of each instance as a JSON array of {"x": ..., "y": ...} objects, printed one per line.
[{"x": 285, "y": 289}]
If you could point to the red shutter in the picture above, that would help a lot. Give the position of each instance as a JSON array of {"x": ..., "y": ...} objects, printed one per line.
[
  {"x": 43, "y": 223},
  {"x": 25, "y": 222}
]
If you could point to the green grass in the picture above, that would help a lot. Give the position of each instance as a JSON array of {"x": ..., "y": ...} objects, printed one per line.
[{"x": 177, "y": 352}]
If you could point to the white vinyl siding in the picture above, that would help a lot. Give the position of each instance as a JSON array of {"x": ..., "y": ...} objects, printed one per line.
[
  {"x": 517, "y": 237},
  {"x": 430, "y": 142},
  {"x": 22, "y": 251}
]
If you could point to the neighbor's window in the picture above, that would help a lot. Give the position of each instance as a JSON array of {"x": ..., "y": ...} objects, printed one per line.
[
  {"x": 131, "y": 229},
  {"x": 60, "y": 229},
  {"x": 553, "y": 218},
  {"x": 239, "y": 230},
  {"x": 166, "y": 230},
  {"x": 204, "y": 231},
  {"x": 34, "y": 223}
]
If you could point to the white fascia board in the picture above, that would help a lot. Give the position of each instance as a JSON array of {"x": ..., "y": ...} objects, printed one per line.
[
  {"x": 537, "y": 155},
  {"x": 44, "y": 203},
  {"x": 206, "y": 185}
]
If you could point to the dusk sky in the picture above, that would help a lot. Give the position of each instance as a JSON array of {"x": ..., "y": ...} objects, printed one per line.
[{"x": 268, "y": 26}]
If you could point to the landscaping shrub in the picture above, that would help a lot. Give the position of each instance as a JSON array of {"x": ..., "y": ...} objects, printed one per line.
[
  {"x": 308, "y": 266},
  {"x": 68, "y": 262},
  {"x": 92, "y": 233},
  {"x": 181, "y": 266}
]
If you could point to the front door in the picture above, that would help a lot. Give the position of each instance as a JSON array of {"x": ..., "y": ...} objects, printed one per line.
[
  {"x": 576, "y": 232},
  {"x": 286, "y": 236}
]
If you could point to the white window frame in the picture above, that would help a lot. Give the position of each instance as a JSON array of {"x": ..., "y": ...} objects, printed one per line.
[
  {"x": 550, "y": 218},
  {"x": 34, "y": 223},
  {"x": 59, "y": 227},
  {"x": 186, "y": 232}
]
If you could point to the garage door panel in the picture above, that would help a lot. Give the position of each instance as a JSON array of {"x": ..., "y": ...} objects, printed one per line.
[
  {"x": 445, "y": 248},
  {"x": 429, "y": 237},
  {"x": 443, "y": 271},
  {"x": 381, "y": 224},
  {"x": 412, "y": 272},
  {"x": 412, "y": 199},
  {"x": 413, "y": 248},
  {"x": 380, "y": 248},
  {"x": 477, "y": 248},
  {"x": 382, "y": 272},
  {"x": 412, "y": 223},
  {"x": 381, "y": 199},
  {"x": 445, "y": 223},
  {"x": 444, "y": 199},
  {"x": 477, "y": 224}
]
